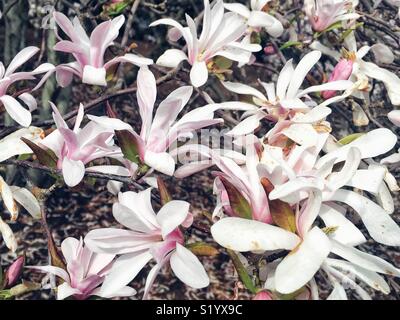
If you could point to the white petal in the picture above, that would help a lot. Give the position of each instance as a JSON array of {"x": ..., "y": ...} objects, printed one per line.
[
  {"x": 243, "y": 89},
  {"x": 364, "y": 260},
  {"x": 188, "y": 268},
  {"x": 64, "y": 291},
  {"x": 162, "y": 162},
  {"x": 346, "y": 232},
  {"x": 8, "y": 198},
  {"x": 26, "y": 199},
  {"x": 377, "y": 221},
  {"x": 124, "y": 270},
  {"x": 73, "y": 172},
  {"x": 299, "y": 266},
  {"x": 171, "y": 58},
  {"x": 16, "y": 111},
  {"x": 171, "y": 215},
  {"x": 199, "y": 73},
  {"x": 8, "y": 236},
  {"x": 94, "y": 76},
  {"x": 249, "y": 235}
]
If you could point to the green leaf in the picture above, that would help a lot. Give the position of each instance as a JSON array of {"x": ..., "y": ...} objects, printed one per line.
[
  {"x": 222, "y": 62},
  {"x": 45, "y": 157},
  {"x": 242, "y": 272},
  {"x": 239, "y": 204},
  {"x": 350, "y": 138},
  {"x": 129, "y": 145},
  {"x": 290, "y": 44},
  {"x": 202, "y": 249}
]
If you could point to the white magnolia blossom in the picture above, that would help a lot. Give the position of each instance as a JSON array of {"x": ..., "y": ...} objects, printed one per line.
[
  {"x": 362, "y": 70},
  {"x": 285, "y": 99},
  {"x": 219, "y": 37}
]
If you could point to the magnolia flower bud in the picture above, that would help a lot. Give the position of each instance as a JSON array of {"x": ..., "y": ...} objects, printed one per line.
[
  {"x": 14, "y": 271},
  {"x": 342, "y": 71},
  {"x": 262, "y": 295}
]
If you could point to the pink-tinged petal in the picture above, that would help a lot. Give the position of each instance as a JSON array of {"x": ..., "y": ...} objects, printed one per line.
[
  {"x": 16, "y": 111},
  {"x": 27, "y": 200},
  {"x": 64, "y": 75},
  {"x": 342, "y": 71},
  {"x": 66, "y": 26},
  {"x": 14, "y": 272},
  {"x": 168, "y": 111},
  {"x": 8, "y": 236},
  {"x": 111, "y": 123},
  {"x": 298, "y": 268},
  {"x": 160, "y": 161},
  {"x": 124, "y": 270},
  {"x": 61, "y": 273},
  {"x": 115, "y": 170},
  {"x": 378, "y": 222},
  {"x": 119, "y": 241},
  {"x": 100, "y": 263},
  {"x": 64, "y": 291},
  {"x": 69, "y": 47},
  {"x": 69, "y": 248},
  {"x": 172, "y": 215},
  {"x": 146, "y": 97},
  {"x": 345, "y": 231},
  {"x": 262, "y": 295},
  {"x": 94, "y": 76},
  {"x": 171, "y": 58},
  {"x": 58, "y": 119},
  {"x": 70, "y": 140},
  {"x": 199, "y": 73},
  {"x": 73, "y": 172},
  {"x": 248, "y": 235},
  {"x": 102, "y": 37},
  {"x": 187, "y": 267},
  {"x": 21, "y": 57},
  {"x": 129, "y": 58}
]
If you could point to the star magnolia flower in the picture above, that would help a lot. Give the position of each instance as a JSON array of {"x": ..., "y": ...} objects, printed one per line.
[
  {"x": 363, "y": 70},
  {"x": 310, "y": 247},
  {"x": 256, "y": 18},
  {"x": 10, "y": 196},
  {"x": 8, "y": 77},
  {"x": 286, "y": 99},
  {"x": 304, "y": 171},
  {"x": 77, "y": 147},
  {"x": 85, "y": 272},
  {"x": 158, "y": 133},
  {"x": 324, "y": 13},
  {"x": 218, "y": 38},
  {"x": 245, "y": 180},
  {"x": 89, "y": 52},
  {"x": 150, "y": 236}
]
